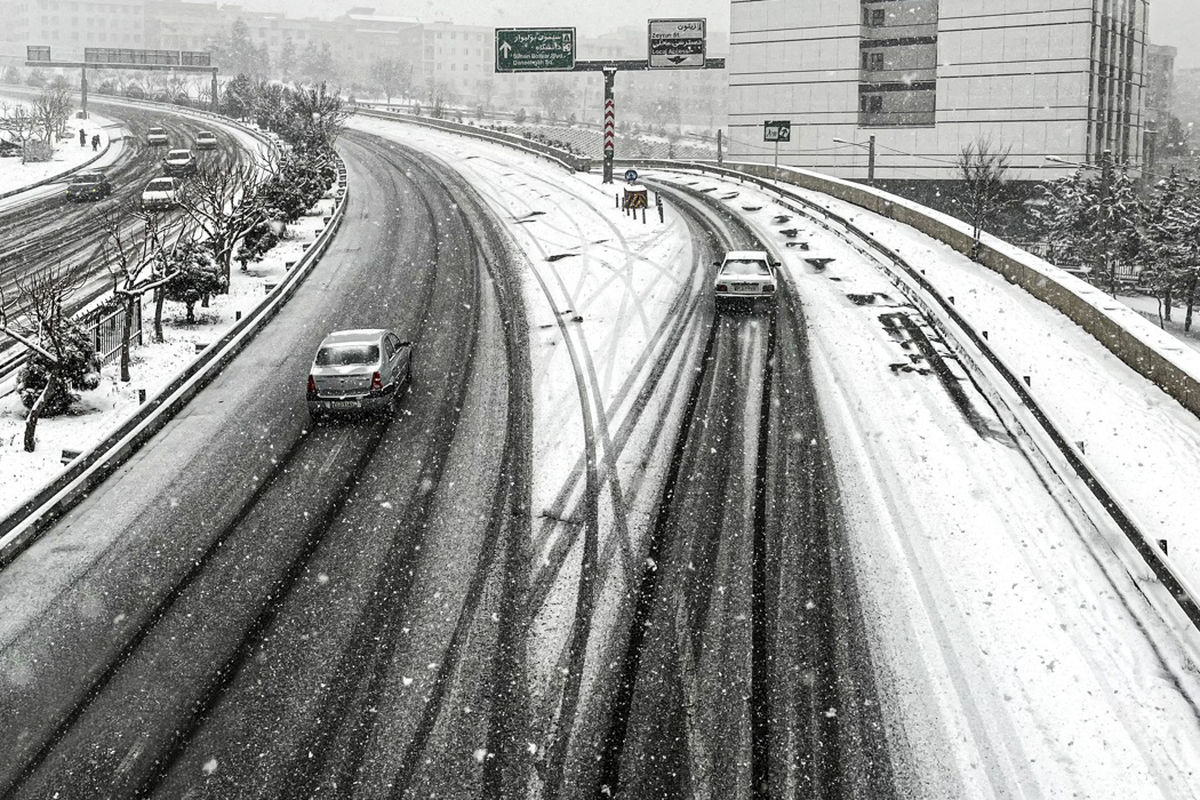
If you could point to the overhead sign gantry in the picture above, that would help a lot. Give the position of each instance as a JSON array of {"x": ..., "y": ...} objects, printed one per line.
[
  {"x": 125, "y": 58},
  {"x": 673, "y": 44}
]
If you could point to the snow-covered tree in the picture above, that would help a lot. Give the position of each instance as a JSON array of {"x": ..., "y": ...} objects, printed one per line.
[
  {"x": 1173, "y": 243},
  {"x": 221, "y": 202},
  {"x": 137, "y": 266},
  {"x": 983, "y": 172},
  {"x": 195, "y": 277},
  {"x": 1096, "y": 215},
  {"x": 62, "y": 359}
]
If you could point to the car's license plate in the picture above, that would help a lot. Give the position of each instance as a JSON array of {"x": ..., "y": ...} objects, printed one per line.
[
  {"x": 745, "y": 288},
  {"x": 344, "y": 403}
]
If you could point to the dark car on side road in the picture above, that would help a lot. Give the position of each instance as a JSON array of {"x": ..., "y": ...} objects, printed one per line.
[{"x": 89, "y": 185}]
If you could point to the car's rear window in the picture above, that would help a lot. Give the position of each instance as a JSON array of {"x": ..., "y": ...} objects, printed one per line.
[
  {"x": 745, "y": 267},
  {"x": 178, "y": 154},
  {"x": 160, "y": 186},
  {"x": 157, "y": 131},
  {"x": 79, "y": 180},
  {"x": 343, "y": 355}
]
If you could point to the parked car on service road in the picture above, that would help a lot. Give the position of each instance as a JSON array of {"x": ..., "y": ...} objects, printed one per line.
[
  {"x": 89, "y": 185},
  {"x": 156, "y": 136},
  {"x": 206, "y": 140},
  {"x": 746, "y": 275},
  {"x": 161, "y": 193},
  {"x": 179, "y": 162},
  {"x": 358, "y": 370}
]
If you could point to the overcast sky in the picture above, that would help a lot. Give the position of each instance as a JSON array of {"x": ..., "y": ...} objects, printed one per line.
[{"x": 1173, "y": 22}]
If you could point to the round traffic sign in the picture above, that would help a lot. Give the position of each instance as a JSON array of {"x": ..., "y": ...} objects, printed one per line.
[{"x": 630, "y": 175}]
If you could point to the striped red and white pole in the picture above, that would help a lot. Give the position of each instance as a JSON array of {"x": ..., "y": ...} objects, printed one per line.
[{"x": 609, "y": 128}]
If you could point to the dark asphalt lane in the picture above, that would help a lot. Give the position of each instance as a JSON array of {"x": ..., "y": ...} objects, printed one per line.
[
  {"x": 746, "y": 670},
  {"x": 752, "y": 678},
  {"x": 263, "y": 590}
]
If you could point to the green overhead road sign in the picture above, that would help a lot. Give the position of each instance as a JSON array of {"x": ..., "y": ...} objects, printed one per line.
[{"x": 535, "y": 49}]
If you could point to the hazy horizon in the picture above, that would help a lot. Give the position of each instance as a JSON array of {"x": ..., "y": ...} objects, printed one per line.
[{"x": 1170, "y": 22}]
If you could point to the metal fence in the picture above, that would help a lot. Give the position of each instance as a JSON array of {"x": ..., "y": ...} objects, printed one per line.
[{"x": 105, "y": 327}]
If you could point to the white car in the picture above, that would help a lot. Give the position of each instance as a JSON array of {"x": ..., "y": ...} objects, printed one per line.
[
  {"x": 179, "y": 162},
  {"x": 206, "y": 140},
  {"x": 161, "y": 193},
  {"x": 156, "y": 136},
  {"x": 747, "y": 275}
]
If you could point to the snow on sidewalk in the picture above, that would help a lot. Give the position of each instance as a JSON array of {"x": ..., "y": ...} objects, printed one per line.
[{"x": 68, "y": 155}]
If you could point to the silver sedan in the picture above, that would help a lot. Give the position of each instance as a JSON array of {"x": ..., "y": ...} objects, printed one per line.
[{"x": 358, "y": 370}]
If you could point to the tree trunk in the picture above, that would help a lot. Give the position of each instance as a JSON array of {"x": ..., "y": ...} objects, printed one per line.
[
  {"x": 191, "y": 312},
  {"x": 1191, "y": 300},
  {"x": 35, "y": 412},
  {"x": 126, "y": 331},
  {"x": 160, "y": 295}
]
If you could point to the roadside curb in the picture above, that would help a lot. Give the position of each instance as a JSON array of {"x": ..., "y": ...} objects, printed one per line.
[
  {"x": 59, "y": 176},
  {"x": 31, "y": 519}
]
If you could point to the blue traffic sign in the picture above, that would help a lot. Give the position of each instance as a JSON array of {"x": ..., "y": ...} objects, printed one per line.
[{"x": 630, "y": 175}]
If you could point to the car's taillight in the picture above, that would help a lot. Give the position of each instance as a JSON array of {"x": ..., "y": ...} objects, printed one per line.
[
  {"x": 312, "y": 385},
  {"x": 722, "y": 287},
  {"x": 770, "y": 287},
  {"x": 376, "y": 381}
]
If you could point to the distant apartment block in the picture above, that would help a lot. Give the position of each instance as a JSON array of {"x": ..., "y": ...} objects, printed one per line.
[{"x": 1061, "y": 78}]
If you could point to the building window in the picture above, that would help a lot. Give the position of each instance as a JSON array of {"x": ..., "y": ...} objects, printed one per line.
[
  {"x": 870, "y": 103},
  {"x": 872, "y": 61},
  {"x": 873, "y": 17}
]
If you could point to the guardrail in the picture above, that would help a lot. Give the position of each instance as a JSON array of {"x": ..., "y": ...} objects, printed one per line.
[
  {"x": 1176, "y": 584},
  {"x": 23, "y": 526},
  {"x": 1060, "y": 291},
  {"x": 564, "y": 159}
]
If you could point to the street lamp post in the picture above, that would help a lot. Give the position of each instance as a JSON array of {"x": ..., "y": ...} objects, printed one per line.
[{"x": 870, "y": 147}]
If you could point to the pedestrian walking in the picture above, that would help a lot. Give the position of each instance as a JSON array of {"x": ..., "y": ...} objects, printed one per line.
[
  {"x": 95, "y": 142},
  {"x": 82, "y": 138}
]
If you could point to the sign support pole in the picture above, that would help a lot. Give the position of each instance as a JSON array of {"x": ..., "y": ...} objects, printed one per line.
[
  {"x": 83, "y": 92},
  {"x": 610, "y": 79}
]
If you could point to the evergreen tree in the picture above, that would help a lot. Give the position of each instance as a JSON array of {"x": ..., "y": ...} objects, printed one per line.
[
  {"x": 286, "y": 66},
  {"x": 1096, "y": 215}
]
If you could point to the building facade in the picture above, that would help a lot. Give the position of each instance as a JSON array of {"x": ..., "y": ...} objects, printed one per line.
[{"x": 1046, "y": 78}]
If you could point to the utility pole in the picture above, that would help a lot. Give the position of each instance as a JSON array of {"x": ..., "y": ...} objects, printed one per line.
[
  {"x": 720, "y": 158},
  {"x": 871, "y": 160},
  {"x": 83, "y": 92}
]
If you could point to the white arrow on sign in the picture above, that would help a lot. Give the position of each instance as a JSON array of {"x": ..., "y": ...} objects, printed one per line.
[{"x": 505, "y": 49}]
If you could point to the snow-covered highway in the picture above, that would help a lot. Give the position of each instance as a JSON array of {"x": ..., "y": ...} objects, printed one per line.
[{"x": 613, "y": 542}]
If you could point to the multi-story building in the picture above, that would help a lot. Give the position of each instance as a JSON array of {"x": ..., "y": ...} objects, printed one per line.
[
  {"x": 1058, "y": 78},
  {"x": 68, "y": 26},
  {"x": 1160, "y": 100}
]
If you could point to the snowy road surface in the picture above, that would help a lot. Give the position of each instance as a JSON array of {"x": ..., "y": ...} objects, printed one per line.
[{"x": 443, "y": 603}]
